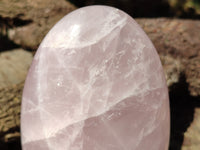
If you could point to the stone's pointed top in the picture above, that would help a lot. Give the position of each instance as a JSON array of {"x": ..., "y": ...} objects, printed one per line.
[{"x": 96, "y": 82}]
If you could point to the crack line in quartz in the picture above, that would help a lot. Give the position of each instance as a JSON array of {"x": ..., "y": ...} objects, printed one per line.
[{"x": 113, "y": 133}]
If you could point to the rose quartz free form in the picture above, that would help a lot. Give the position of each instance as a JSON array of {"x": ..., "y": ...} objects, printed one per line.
[{"x": 96, "y": 83}]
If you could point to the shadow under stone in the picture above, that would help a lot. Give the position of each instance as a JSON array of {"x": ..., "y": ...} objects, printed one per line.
[{"x": 182, "y": 107}]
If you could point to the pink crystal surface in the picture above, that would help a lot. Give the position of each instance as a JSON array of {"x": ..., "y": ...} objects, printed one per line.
[{"x": 96, "y": 83}]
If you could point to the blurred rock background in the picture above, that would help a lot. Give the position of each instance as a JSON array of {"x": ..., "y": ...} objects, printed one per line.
[{"x": 172, "y": 25}]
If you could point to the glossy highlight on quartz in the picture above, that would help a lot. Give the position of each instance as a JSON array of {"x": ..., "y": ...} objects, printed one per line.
[{"x": 96, "y": 83}]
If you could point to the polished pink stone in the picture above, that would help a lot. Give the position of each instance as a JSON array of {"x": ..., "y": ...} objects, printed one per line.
[{"x": 96, "y": 83}]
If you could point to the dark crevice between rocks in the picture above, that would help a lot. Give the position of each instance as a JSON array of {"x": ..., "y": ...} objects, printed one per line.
[
  {"x": 182, "y": 106},
  {"x": 8, "y": 23},
  {"x": 13, "y": 22},
  {"x": 6, "y": 44},
  {"x": 12, "y": 144}
]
